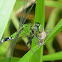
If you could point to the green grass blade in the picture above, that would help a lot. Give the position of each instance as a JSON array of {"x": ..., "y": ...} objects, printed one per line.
[
  {"x": 28, "y": 55},
  {"x": 53, "y": 4},
  {"x": 6, "y": 7},
  {"x": 50, "y": 25},
  {"x": 40, "y": 12},
  {"x": 12, "y": 59},
  {"x": 52, "y": 57},
  {"x": 14, "y": 20},
  {"x": 56, "y": 30},
  {"x": 19, "y": 4},
  {"x": 4, "y": 46},
  {"x": 39, "y": 17}
]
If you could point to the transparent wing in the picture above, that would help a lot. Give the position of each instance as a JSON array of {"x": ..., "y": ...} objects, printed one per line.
[
  {"x": 23, "y": 19},
  {"x": 22, "y": 14},
  {"x": 29, "y": 11},
  {"x": 10, "y": 49}
]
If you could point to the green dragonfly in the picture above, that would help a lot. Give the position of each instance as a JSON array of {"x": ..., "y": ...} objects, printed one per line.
[{"x": 27, "y": 30}]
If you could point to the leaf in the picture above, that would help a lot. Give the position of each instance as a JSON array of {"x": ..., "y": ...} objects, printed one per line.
[
  {"x": 55, "y": 30},
  {"x": 19, "y": 4},
  {"x": 29, "y": 54},
  {"x": 40, "y": 18},
  {"x": 50, "y": 24},
  {"x": 52, "y": 57},
  {"x": 13, "y": 59},
  {"x": 53, "y": 4},
  {"x": 6, "y": 7}
]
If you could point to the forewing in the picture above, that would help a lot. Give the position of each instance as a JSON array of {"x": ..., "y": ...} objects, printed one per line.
[
  {"x": 23, "y": 12},
  {"x": 10, "y": 49}
]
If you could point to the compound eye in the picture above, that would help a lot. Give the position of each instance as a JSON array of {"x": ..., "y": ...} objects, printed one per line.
[{"x": 37, "y": 24}]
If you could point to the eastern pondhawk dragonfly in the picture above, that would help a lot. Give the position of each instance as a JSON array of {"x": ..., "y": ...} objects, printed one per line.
[{"x": 27, "y": 30}]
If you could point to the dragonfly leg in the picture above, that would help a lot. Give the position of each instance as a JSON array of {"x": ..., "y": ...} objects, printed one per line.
[
  {"x": 36, "y": 40},
  {"x": 49, "y": 30},
  {"x": 40, "y": 44},
  {"x": 32, "y": 29},
  {"x": 38, "y": 37},
  {"x": 29, "y": 48},
  {"x": 29, "y": 40}
]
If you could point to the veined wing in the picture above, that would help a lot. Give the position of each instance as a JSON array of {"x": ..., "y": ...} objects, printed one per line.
[
  {"x": 12, "y": 45},
  {"x": 24, "y": 32},
  {"x": 30, "y": 3},
  {"x": 15, "y": 36},
  {"x": 22, "y": 14}
]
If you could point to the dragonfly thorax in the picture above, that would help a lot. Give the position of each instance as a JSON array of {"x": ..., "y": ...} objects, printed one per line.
[{"x": 42, "y": 35}]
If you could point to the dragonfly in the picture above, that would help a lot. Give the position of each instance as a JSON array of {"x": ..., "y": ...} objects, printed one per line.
[
  {"x": 34, "y": 30},
  {"x": 31, "y": 30},
  {"x": 27, "y": 30}
]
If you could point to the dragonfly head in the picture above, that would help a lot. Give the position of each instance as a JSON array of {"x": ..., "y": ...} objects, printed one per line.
[{"x": 36, "y": 26}]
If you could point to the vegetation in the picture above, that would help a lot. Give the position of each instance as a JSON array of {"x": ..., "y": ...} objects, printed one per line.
[{"x": 5, "y": 15}]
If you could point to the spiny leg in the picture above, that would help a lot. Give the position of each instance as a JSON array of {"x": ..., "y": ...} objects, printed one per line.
[
  {"x": 38, "y": 37},
  {"x": 29, "y": 40},
  {"x": 29, "y": 48}
]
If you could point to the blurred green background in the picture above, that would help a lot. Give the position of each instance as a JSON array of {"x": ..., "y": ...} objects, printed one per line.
[{"x": 53, "y": 14}]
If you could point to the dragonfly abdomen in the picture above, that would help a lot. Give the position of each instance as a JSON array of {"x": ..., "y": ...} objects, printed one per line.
[
  {"x": 6, "y": 39},
  {"x": 9, "y": 38}
]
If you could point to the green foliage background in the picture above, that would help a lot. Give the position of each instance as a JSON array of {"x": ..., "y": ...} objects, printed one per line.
[{"x": 5, "y": 12}]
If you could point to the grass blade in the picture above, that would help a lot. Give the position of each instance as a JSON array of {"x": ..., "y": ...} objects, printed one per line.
[
  {"x": 53, "y": 4},
  {"x": 6, "y": 7},
  {"x": 28, "y": 55},
  {"x": 52, "y": 57},
  {"x": 39, "y": 17},
  {"x": 50, "y": 25},
  {"x": 56, "y": 30}
]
